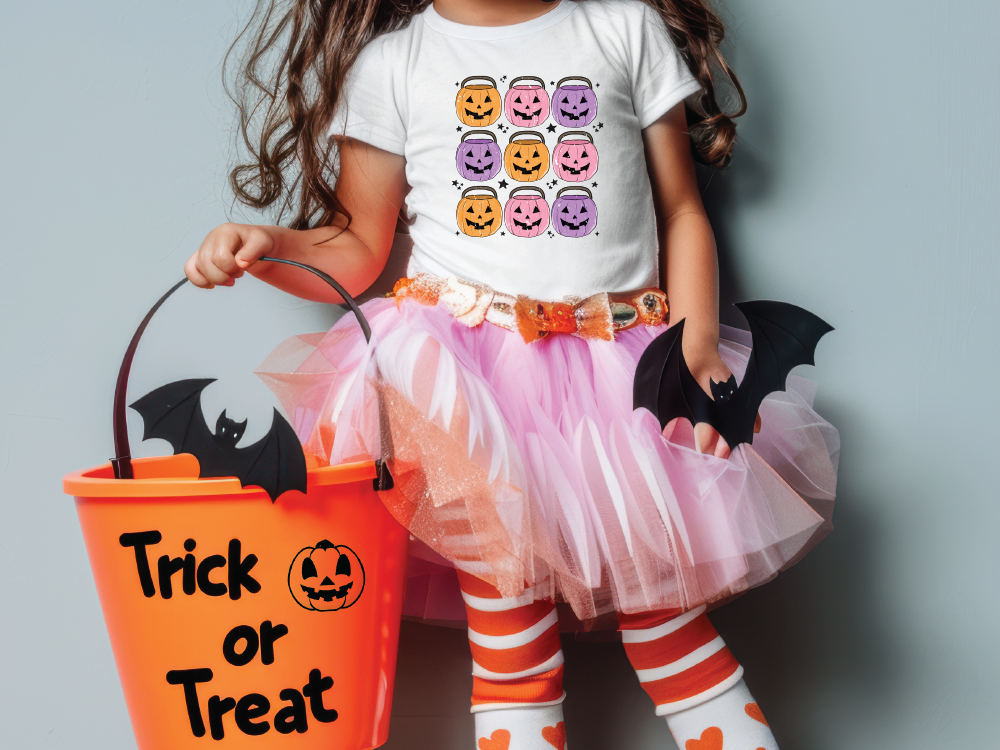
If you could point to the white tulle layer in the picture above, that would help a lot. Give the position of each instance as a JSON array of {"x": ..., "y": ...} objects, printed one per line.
[{"x": 526, "y": 465}]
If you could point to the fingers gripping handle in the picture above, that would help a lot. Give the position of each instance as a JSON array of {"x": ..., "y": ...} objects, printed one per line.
[{"x": 122, "y": 462}]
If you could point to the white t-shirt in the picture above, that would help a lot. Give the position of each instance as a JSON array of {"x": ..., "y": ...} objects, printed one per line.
[{"x": 522, "y": 143}]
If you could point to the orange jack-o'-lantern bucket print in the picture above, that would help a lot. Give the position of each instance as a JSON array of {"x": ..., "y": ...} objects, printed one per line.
[
  {"x": 241, "y": 622},
  {"x": 526, "y": 157},
  {"x": 479, "y": 213},
  {"x": 478, "y": 104}
]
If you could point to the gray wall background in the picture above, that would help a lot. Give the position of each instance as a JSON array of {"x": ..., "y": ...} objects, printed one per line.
[{"x": 865, "y": 188}]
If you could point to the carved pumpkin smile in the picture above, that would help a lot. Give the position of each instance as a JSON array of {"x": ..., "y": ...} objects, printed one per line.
[
  {"x": 488, "y": 114},
  {"x": 527, "y": 225},
  {"x": 575, "y": 227},
  {"x": 476, "y": 225},
  {"x": 328, "y": 595},
  {"x": 582, "y": 169},
  {"x": 527, "y": 170},
  {"x": 485, "y": 169},
  {"x": 574, "y": 115}
]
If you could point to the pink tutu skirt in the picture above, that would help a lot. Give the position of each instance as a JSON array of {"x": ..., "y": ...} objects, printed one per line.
[{"x": 526, "y": 465}]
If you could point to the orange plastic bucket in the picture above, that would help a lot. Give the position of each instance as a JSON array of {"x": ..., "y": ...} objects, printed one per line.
[
  {"x": 276, "y": 675},
  {"x": 237, "y": 622}
]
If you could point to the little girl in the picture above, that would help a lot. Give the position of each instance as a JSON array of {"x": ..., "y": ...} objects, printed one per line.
[{"x": 545, "y": 152}]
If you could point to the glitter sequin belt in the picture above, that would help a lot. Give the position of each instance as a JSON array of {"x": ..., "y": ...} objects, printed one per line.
[{"x": 599, "y": 316}]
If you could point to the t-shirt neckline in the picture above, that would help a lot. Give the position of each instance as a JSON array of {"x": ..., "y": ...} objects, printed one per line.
[{"x": 487, "y": 33}]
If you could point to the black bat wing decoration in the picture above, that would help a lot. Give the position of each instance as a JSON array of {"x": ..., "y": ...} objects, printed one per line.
[
  {"x": 274, "y": 463},
  {"x": 783, "y": 336}
]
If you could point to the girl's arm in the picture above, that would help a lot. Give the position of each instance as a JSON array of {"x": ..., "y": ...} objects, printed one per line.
[
  {"x": 371, "y": 186},
  {"x": 689, "y": 263}
]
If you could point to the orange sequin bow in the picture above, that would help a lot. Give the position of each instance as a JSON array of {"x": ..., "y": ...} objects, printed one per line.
[{"x": 599, "y": 316}]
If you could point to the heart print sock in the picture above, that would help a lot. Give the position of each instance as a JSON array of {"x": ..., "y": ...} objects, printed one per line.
[
  {"x": 694, "y": 681},
  {"x": 517, "y": 668}
]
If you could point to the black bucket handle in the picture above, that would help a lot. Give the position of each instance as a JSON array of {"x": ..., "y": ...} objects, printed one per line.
[{"x": 122, "y": 462}]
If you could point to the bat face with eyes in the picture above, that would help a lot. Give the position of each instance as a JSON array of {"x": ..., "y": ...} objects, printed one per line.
[{"x": 229, "y": 431}]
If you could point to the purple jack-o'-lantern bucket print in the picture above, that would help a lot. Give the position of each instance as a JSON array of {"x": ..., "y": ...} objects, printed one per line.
[
  {"x": 526, "y": 215},
  {"x": 574, "y": 215},
  {"x": 574, "y": 157},
  {"x": 478, "y": 157},
  {"x": 574, "y": 105},
  {"x": 526, "y": 105}
]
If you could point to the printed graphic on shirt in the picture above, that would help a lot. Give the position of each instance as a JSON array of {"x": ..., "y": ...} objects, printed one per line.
[
  {"x": 478, "y": 104},
  {"x": 574, "y": 157},
  {"x": 574, "y": 215},
  {"x": 484, "y": 210},
  {"x": 478, "y": 157},
  {"x": 479, "y": 213},
  {"x": 574, "y": 105},
  {"x": 526, "y": 105},
  {"x": 526, "y": 157},
  {"x": 527, "y": 214}
]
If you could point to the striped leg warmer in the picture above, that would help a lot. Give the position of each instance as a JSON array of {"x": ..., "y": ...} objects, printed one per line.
[
  {"x": 517, "y": 668},
  {"x": 694, "y": 680}
]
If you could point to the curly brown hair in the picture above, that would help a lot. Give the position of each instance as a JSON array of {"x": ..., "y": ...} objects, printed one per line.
[{"x": 292, "y": 59}]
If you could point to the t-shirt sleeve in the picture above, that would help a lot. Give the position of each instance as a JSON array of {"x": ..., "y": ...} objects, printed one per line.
[
  {"x": 660, "y": 77},
  {"x": 372, "y": 106}
]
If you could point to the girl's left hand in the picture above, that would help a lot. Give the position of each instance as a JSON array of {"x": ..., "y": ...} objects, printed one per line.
[{"x": 706, "y": 365}]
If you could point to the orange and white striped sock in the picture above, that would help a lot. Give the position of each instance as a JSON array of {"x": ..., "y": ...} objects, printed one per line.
[
  {"x": 517, "y": 668},
  {"x": 694, "y": 680}
]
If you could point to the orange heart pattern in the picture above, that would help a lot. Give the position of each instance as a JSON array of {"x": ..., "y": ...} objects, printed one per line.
[
  {"x": 754, "y": 712},
  {"x": 555, "y": 736},
  {"x": 711, "y": 739},
  {"x": 499, "y": 740}
]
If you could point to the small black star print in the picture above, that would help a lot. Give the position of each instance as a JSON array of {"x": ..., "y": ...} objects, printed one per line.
[
  {"x": 504, "y": 78},
  {"x": 597, "y": 234},
  {"x": 552, "y": 83},
  {"x": 593, "y": 184},
  {"x": 596, "y": 84},
  {"x": 503, "y": 234},
  {"x": 457, "y": 83},
  {"x": 459, "y": 128},
  {"x": 455, "y": 183},
  {"x": 600, "y": 125},
  {"x": 551, "y": 128},
  {"x": 457, "y": 233},
  {"x": 503, "y": 184}
]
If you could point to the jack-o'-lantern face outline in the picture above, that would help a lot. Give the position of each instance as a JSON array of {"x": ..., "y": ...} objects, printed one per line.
[
  {"x": 326, "y": 577},
  {"x": 574, "y": 157}
]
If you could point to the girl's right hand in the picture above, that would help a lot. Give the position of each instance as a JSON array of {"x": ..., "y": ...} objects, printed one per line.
[{"x": 227, "y": 252}]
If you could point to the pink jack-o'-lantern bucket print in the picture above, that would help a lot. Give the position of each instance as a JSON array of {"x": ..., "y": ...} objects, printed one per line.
[
  {"x": 526, "y": 105},
  {"x": 526, "y": 215},
  {"x": 574, "y": 105},
  {"x": 478, "y": 157},
  {"x": 574, "y": 157},
  {"x": 574, "y": 215}
]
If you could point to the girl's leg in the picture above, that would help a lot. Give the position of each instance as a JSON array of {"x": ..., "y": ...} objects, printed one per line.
[
  {"x": 694, "y": 680},
  {"x": 517, "y": 668}
]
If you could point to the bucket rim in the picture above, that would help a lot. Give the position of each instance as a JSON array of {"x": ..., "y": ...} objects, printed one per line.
[{"x": 177, "y": 476}]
